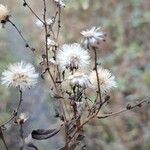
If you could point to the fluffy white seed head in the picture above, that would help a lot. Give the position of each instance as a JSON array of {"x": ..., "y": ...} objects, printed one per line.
[
  {"x": 92, "y": 36},
  {"x": 51, "y": 42},
  {"x": 20, "y": 75},
  {"x": 4, "y": 13},
  {"x": 79, "y": 79},
  {"x": 72, "y": 56},
  {"x": 106, "y": 80}
]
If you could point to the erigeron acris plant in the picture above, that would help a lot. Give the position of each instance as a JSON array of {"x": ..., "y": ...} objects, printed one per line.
[{"x": 72, "y": 74}]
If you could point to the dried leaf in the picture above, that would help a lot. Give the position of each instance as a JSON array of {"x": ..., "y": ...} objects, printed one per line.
[
  {"x": 80, "y": 137},
  {"x": 42, "y": 134}
]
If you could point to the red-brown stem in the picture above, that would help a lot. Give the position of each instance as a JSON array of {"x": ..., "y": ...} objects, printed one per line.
[
  {"x": 97, "y": 75},
  {"x": 124, "y": 109},
  {"x": 79, "y": 128}
]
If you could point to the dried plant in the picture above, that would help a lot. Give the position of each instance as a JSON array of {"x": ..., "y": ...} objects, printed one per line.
[{"x": 80, "y": 87}]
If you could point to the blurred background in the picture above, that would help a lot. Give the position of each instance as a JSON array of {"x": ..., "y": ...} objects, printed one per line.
[{"x": 126, "y": 53}]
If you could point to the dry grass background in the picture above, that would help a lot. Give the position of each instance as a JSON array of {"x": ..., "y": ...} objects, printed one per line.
[{"x": 126, "y": 52}]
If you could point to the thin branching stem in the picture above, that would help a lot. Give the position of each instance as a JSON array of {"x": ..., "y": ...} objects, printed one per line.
[
  {"x": 20, "y": 100},
  {"x": 32, "y": 11},
  {"x": 46, "y": 53},
  {"x": 22, "y": 137},
  {"x": 20, "y": 33},
  {"x": 51, "y": 26},
  {"x": 50, "y": 74},
  {"x": 9, "y": 120},
  {"x": 128, "y": 107},
  {"x": 57, "y": 92},
  {"x": 23, "y": 38},
  {"x": 46, "y": 33},
  {"x": 15, "y": 113},
  {"x": 97, "y": 75},
  {"x": 59, "y": 22}
]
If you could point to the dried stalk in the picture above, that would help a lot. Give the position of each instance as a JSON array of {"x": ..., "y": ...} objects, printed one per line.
[
  {"x": 46, "y": 33},
  {"x": 32, "y": 11},
  {"x": 15, "y": 113},
  {"x": 3, "y": 139},
  {"x": 128, "y": 107},
  {"x": 96, "y": 70},
  {"x": 22, "y": 137}
]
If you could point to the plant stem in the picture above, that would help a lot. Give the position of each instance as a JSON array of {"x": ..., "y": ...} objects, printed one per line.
[
  {"x": 19, "y": 32},
  {"x": 46, "y": 34},
  {"x": 96, "y": 70},
  {"x": 3, "y": 139},
  {"x": 23, "y": 38},
  {"x": 21, "y": 136},
  {"x": 26, "y": 4},
  {"x": 139, "y": 104},
  {"x": 15, "y": 113},
  {"x": 20, "y": 101},
  {"x": 59, "y": 22}
]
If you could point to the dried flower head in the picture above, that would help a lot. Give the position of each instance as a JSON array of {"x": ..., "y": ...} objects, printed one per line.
[
  {"x": 79, "y": 79},
  {"x": 51, "y": 42},
  {"x": 23, "y": 117},
  {"x": 20, "y": 75},
  {"x": 52, "y": 62},
  {"x": 50, "y": 21},
  {"x": 4, "y": 13},
  {"x": 92, "y": 36},
  {"x": 72, "y": 56},
  {"x": 40, "y": 24},
  {"x": 60, "y": 3},
  {"x": 106, "y": 79}
]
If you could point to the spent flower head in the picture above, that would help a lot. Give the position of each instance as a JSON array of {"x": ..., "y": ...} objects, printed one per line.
[
  {"x": 52, "y": 62},
  {"x": 106, "y": 80},
  {"x": 50, "y": 21},
  {"x": 92, "y": 36},
  {"x": 4, "y": 13},
  {"x": 20, "y": 75},
  {"x": 79, "y": 79},
  {"x": 51, "y": 42},
  {"x": 23, "y": 117},
  {"x": 72, "y": 56},
  {"x": 40, "y": 24}
]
